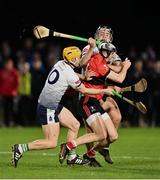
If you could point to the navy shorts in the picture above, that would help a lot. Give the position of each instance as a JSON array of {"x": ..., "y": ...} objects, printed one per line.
[
  {"x": 48, "y": 116},
  {"x": 89, "y": 106}
]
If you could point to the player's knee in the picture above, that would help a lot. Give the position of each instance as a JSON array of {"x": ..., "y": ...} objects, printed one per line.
[
  {"x": 117, "y": 118},
  {"x": 102, "y": 136},
  {"x": 76, "y": 126},
  {"x": 52, "y": 144},
  {"x": 113, "y": 137}
]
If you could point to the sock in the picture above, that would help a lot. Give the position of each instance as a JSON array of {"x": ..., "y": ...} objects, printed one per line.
[
  {"x": 91, "y": 153},
  {"x": 106, "y": 147},
  {"x": 71, "y": 145},
  {"x": 23, "y": 148},
  {"x": 72, "y": 154}
]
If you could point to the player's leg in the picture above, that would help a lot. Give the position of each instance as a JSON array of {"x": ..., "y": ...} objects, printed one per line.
[
  {"x": 67, "y": 119},
  {"x": 91, "y": 111},
  {"x": 95, "y": 122},
  {"x": 112, "y": 108},
  {"x": 111, "y": 131},
  {"x": 98, "y": 134},
  {"x": 50, "y": 128},
  {"x": 93, "y": 161},
  {"x": 88, "y": 130},
  {"x": 88, "y": 107},
  {"x": 91, "y": 153},
  {"x": 112, "y": 134}
]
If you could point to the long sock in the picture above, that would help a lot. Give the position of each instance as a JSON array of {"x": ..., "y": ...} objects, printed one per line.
[
  {"x": 71, "y": 145},
  {"x": 72, "y": 154},
  {"x": 91, "y": 153},
  {"x": 23, "y": 148},
  {"x": 107, "y": 147}
]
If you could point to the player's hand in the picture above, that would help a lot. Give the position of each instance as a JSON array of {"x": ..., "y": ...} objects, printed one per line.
[
  {"x": 114, "y": 59},
  {"x": 108, "y": 91},
  {"x": 92, "y": 42},
  {"x": 126, "y": 63},
  {"x": 118, "y": 89}
]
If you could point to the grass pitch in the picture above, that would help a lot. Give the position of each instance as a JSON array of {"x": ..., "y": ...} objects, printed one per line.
[{"x": 136, "y": 155}]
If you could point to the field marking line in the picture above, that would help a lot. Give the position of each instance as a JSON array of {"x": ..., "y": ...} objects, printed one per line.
[{"x": 115, "y": 157}]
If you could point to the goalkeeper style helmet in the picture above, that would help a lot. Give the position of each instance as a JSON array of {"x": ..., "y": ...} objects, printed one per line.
[
  {"x": 72, "y": 54},
  {"x": 104, "y": 33},
  {"x": 106, "y": 49}
]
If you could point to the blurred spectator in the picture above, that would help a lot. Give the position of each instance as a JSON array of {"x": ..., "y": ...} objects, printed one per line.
[
  {"x": 1, "y": 61},
  {"x": 149, "y": 54},
  {"x": 43, "y": 54},
  {"x": 136, "y": 118},
  {"x": 38, "y": 74},
  {"x": 28, "y": 49},
  {"x": 52, "y": 56},
  {"x": 155, "y": 119},
  {"x": 9, "y": 81},
  {"x": 24, "y": 91},
  {"x": 133, "y": 54},
  {"x": 40, "y": 47},
  {"x": 6, "y": 50}
]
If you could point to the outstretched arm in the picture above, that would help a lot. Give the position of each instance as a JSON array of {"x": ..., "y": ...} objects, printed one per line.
[
  {"x": 87, "y": 56},
  {"x": 115, "y": 68},
  {"x": 119, "y": 77},
  {"x": 82, "y": 89}
]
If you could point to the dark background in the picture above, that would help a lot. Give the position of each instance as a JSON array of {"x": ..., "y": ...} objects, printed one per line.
[{"x": 133, "y": 22}]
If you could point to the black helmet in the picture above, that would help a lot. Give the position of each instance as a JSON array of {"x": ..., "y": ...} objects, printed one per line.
[{"x": 106, "y": 48}]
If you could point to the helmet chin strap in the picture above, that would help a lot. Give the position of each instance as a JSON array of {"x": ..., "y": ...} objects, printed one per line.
[
  {"x": 71, "y": 64},
  {"x": 107, "y": 54}
]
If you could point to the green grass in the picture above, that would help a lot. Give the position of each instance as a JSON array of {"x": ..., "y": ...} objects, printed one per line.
[{"x": 136, "y": 154}]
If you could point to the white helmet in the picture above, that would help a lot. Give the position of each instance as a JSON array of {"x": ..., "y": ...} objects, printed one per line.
[{"x": 104, "y": 29}]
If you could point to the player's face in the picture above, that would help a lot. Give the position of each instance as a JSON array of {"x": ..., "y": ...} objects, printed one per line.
[
  {"x": 106, "y": 56},
  {"x": 76, "y": 62},
  {"x": 105, "y": 35}
]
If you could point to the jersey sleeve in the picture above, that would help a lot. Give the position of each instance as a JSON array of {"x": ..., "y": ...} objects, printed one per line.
[
  {"x": 85, "y": 50},
  {"x": 73, "y": 80}
]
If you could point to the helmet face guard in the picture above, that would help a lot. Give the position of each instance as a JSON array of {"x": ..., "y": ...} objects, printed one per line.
[
  {"x": 72, "y": 54},
  {"x": 106, "y": 49},
  {"x": 104, "y": 29}
]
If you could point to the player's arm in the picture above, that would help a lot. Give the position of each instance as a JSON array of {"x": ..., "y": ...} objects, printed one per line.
[
  {"x": 115, "y": 63},
  {"x": 115, "y": 68},
  {"x": 81, "y": 76},
  {"x": 82, "y": 89},
  {"x": 116, "y": 88},
  {"x": 119, "y": 77},
  {"x": 88, "y": 75},
  {"x": 89, "y": 53},
  {"x": 75, "y": 83}
]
